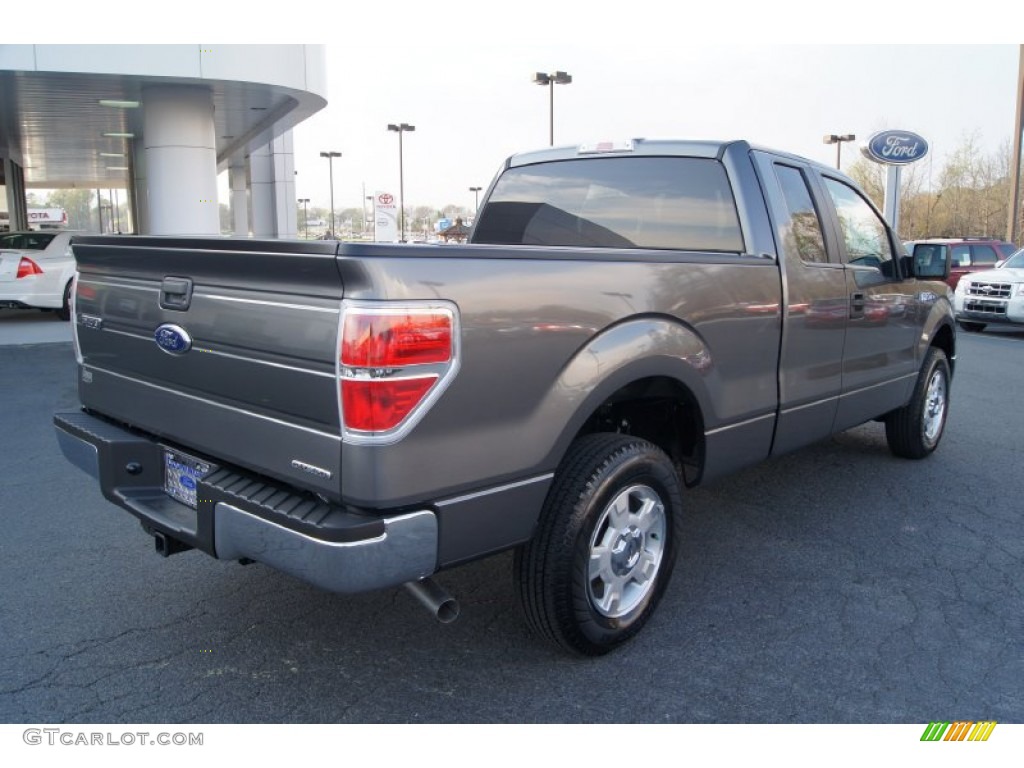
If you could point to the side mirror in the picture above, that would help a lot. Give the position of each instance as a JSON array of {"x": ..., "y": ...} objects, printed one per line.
[{"x": 932, "y": 262}]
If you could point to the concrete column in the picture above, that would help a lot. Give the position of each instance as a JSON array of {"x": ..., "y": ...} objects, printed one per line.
[
  {"x": 285, "y": 205},
  {"x": 17, "y": 208},
  {"x": 272, "y": 181},
  {"x": 181, "y": 160},
  {"x": 239, "y": 200},
  {"x": 139, "y": 190},
  {"x": 261, "y": 179}
]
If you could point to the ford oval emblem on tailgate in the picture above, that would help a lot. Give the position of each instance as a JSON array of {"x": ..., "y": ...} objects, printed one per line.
[{"x": 173, "y": 339}]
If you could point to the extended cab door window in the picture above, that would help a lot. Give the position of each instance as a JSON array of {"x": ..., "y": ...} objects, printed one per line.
[
  {"x": 862, "y": 231},
  {"x": 803, "y": 236},
  {"x": 679, "y": 203}
]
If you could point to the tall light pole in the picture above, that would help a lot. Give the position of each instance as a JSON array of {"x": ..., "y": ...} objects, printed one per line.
[
  {"x": 400, "y": 129},
  {"x": 330, "y": 161},
  {"x": 1013, "y": 225},
  {"x": 476, "y": 197},
  {"x": 559, "y": 78},
  {"x": 304, "y": 202},
  {"x": 837, "y": 139}
]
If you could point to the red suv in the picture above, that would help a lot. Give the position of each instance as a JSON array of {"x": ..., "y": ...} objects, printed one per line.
[{"x": 970, "y": 254}]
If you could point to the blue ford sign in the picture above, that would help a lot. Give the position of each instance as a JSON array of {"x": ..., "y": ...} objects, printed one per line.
[
  {"x": 173, "y": 339},
  {"x": 895, "y": 147}
]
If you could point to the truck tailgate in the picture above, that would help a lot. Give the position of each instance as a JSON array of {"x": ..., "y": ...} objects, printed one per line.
[{"x": 217, "y": 345}]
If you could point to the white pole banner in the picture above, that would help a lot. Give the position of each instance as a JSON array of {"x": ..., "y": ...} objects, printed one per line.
[{"x": 385, "y": 217}]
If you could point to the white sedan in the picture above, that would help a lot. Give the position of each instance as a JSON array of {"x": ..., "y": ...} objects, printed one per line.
[
  {"x": 992, "y": 296},
  {"x": 36, "y": 269}
]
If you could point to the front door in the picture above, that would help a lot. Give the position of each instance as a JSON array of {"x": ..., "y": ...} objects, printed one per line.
[{"x": 879, "y": 359}]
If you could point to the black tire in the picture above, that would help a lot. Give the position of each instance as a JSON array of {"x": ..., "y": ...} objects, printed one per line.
[
  {"x": 971, "y": 327},
  {"x": 611, "y": 522},
  {"x": 64, "y": 313},
  {"x": 914, "y": 430}
]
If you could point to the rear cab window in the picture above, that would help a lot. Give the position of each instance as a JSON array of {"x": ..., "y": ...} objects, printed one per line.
[{"x": 676, "y": 203}]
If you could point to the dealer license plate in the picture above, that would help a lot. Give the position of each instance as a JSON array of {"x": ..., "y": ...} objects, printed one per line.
[{"x": 181, "y": 474}]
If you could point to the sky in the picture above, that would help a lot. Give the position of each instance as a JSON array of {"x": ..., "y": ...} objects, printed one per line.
[
  {"x": 462, "y": 73},
  {"x": 473, "y": 107}
]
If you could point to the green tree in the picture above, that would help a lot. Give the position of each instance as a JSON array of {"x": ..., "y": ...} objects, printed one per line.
[
  {"x": 970, "y": 196},
  {"x": 78, "y": 204}
]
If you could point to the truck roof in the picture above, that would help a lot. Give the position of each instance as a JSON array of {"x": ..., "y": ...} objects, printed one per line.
[{"x": 640, "y": 147}]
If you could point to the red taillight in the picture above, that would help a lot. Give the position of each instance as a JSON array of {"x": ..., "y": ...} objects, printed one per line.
[
  {"x": 27, "y": 267},
  {"x": 391, "y": 341},
  {"x": 390, "y": 362},
  {"x": 377, "y": 405}
]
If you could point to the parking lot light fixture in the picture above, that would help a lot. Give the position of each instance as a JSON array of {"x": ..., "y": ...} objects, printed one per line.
[
  {"x": 476, "y": 198},
  {"x": 304, "y": 202},
  {"x": 330, "y": 161},
  {"x": 838, "y": 139},
  {"x": 551, "y": 80},
  {"x": 401, "y": 128}
]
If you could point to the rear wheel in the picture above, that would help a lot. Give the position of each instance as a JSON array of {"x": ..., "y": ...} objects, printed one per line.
[
  {"x": 64, "y": 313},
  {"x": 605, "y": 545},
  {"x": 914, "y": 430},
  {"x": 971, "y": 327}
]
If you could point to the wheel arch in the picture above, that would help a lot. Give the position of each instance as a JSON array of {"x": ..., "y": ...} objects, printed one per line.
[
  {"x": 628, "y": 377},
  {"x": 944, "y": 338}
]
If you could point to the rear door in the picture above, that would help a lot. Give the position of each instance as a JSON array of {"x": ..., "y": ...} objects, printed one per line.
[{"x": 814, "y": 305}]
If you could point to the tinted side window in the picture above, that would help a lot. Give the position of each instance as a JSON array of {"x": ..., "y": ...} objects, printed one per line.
[
  {"x": 863, "y": 231},
  {"x": 679, "y": 203},
  {"x": 803, "y": 235},
  {"x": 984, "y": 254},
  {"x": 961, "y": 255},
  {"x": 929, "y": 255},
  {"x": 31, "y": 241}
]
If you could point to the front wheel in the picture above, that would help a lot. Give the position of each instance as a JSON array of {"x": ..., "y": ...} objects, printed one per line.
[
  {"x": 605, "y": 546},
  {"x": 914, "y": 430}
]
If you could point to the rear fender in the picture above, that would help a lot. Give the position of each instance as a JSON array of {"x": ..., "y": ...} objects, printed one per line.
[{"x": 637, "y": 349}]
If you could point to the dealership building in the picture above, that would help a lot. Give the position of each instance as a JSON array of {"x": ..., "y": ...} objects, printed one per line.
[{"x": 160, "y": 122}]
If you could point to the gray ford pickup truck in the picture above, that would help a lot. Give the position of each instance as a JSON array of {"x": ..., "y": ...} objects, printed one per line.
[{"x": 627, "y": 320}]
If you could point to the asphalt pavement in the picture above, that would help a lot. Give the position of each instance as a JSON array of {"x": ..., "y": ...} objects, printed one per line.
[{"x": 833, "y": 585}]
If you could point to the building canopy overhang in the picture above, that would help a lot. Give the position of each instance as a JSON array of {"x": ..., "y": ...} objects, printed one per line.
[{"x": 62, "y": 107}]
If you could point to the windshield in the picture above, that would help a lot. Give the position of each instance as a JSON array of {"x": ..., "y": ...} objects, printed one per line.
[
  {"x": 26, "y": 241},
  {"x": 1016, "y": 261}
]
